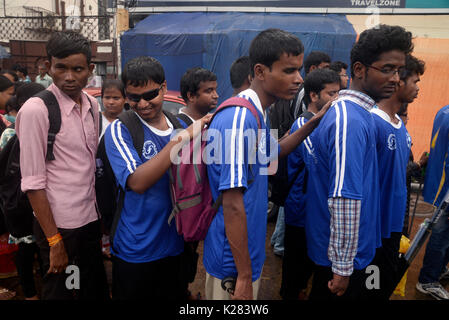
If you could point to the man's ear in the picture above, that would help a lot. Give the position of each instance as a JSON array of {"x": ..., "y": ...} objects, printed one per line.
[
  {"x": 259, "y": 71},
  {"x": 190, "y": 96},
  {"x": 164, "y": 87},
  {"x": 48, "y": 66},
  {"x": 91, "y": 68},
  {"x": 314, "y": 97},
  {"x": 359, "y": 70}
]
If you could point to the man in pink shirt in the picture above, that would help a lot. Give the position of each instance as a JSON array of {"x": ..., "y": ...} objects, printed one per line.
[{"x": 62, "y": 191}]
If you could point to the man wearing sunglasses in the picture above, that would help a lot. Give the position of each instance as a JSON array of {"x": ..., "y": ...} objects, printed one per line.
[
  {"x": 146, "y": 249},
  {"x": 343, "y": 214}
]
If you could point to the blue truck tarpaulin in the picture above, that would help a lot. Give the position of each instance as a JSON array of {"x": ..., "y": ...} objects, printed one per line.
[{"x": 214, "y": 40}]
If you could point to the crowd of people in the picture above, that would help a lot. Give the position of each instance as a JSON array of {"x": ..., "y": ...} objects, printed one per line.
[{"x": 345, "y": 147}]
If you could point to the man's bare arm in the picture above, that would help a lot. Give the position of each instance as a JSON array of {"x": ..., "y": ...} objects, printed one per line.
[
  {"x": 44, "y": 215},
  {"x": 237, "y": 235}
]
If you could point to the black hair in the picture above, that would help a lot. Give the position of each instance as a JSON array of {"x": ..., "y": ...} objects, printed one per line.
[
  {"x": 314, "y": 59},
  {"x": 22, "y": 69},
  {"x": 11, "y": 105},
  {"x": 268, "y": 46},
  {"x": 65, "y": 43},
  {"x": 113, "y": 83},
  {"x": 5, "y": 83},
  {"x": 138, "y": 71},
  {"x": 375, "y": 41},
  {"x": 190, "y": 81},
  {"x": 239, "y": 72},
  {"x": 317, "y": 79},
  {"x": 12, "y": 73},
  {"x": 412, "y": 66},
  {"x": 337, "y": 66},
  {"x": 26, "y": 91}
]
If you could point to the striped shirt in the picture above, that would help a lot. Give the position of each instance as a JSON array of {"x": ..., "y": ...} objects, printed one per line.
[
  {"x": 343, "y": 222},
  {"x": 143, "y": 234},
  {"x": 232, "y": 145}
]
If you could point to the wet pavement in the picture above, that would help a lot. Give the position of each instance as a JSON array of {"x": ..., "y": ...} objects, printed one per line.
[{"x": 271, "y": 276}]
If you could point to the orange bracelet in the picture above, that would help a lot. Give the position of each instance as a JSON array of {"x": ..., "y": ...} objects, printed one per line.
[{"x": 54, "y": 239}]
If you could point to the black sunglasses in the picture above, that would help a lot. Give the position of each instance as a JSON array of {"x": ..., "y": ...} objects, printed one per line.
[{"x": 147, "y": 96}]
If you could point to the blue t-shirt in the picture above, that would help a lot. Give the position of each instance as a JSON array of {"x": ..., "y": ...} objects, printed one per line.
[
  {"x": 143, "y": 234},
  {"x": 295, "y": 204},
  {"x": 436, "y": 183},
  {"x": 344, "y": 165},
  {"x": 234, "y": 161},
  {"x": 393, "y": 151}
]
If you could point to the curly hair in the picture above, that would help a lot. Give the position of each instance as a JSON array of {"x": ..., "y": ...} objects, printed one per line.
[
  {"x": 375, "y": 41},
  {"x": 412, "y": 66}
]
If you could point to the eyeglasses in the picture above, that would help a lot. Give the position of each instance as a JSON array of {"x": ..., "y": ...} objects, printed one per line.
[
  {"x": 147, "y": 96},
  {"x": 343, "y": 75},
  {"x": 388, "y": 71}
]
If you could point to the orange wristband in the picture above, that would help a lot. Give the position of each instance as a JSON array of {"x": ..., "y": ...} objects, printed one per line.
[{"x": 54, "y": 239}]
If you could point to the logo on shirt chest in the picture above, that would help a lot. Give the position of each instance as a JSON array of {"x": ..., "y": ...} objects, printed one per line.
[
  {"x": 149, "y": 150},
  {"x": 391, "y": 141}
]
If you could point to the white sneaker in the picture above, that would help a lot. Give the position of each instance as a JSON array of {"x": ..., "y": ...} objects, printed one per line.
[{"x": 434, "y": 289}]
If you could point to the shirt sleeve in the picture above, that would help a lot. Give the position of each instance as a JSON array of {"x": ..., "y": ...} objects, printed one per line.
[
  {"x": 344, "y": 234},
  {"x": 32, "y": 130},
  {"x": 6, "y": 135},
  {"x": 122, "y": 155}
]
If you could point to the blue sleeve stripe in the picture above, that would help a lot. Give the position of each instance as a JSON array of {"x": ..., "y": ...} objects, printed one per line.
[
  {"x": 340, "y": 157},
  {"x": 116, "y": 133}
]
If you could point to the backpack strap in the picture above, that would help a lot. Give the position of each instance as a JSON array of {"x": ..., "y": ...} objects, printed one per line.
[
  {"x": 54, "y": 118},
  {"x": 184, "y": 118},
  {"x": 239, "y": 102},
  {"x": 100, "y": 122},
  {"x": 173, "y": 119},
  {"x": 134, "y": 126},
  {"x": 308, "y": 115}
]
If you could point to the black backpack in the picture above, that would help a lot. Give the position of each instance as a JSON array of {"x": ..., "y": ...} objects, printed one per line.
[
  {"x": 110, "y": 195},
  {"x": 17, "y": 211},
  {"x": 280, "y": 189}
]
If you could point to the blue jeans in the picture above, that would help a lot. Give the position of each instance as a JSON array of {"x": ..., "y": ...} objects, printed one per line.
[
  {"x": 277, "y": 239},
  {"x": 437, "y": 252}
]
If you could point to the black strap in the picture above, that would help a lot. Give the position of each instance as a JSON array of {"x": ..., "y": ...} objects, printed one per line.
[
  {"x": 184, "y": 118},
  {"x": 54, "y": 118},
  {"x": 100, "y": 125},
  {"x": 134, "y": 126},
  {"x": 173, "y": 119},
  {"x": 308, "y": 115}
]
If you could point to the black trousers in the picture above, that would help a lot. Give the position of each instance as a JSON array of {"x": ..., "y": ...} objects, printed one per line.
[
  {"x": 24, "y": 260},
  {"x": 320, "y": 290},
  {"x": 387, "y": 260},
  {"x": 297, "y": 268},
  {"x": 83, "y": 246},
  {"x": 159, "y": 280}
]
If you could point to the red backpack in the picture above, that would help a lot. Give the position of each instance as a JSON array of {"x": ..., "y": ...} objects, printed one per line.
[{"x": 193, "y": 205}]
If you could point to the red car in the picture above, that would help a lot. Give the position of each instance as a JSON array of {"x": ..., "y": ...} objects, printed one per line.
[{"x": 173, "y": 101}]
